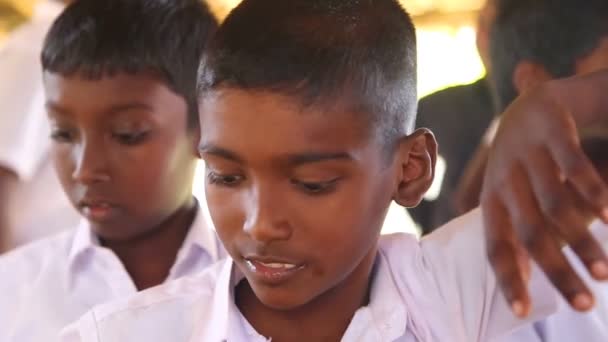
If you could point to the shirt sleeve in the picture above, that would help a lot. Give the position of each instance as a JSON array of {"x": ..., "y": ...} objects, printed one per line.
[
  {"x": 455, "y": 261},
  {"x": 24, "y": 129}
]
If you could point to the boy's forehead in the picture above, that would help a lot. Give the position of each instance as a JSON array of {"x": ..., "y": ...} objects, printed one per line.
[
  {"x": 79, "y": 93},
  {"x": 120, "y": 85},
  {"x": 241, "y": 118}
]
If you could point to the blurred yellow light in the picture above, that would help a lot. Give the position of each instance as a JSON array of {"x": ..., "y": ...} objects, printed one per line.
[
  {"x": 23, "y": 7},
  {"x": 221, "y": 8},
  {"x": 447, "y": 56}
]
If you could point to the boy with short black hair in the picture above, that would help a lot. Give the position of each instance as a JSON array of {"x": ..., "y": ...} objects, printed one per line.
[
  {"x": 120, "y": 82},
  {"x": 307, "y": 110}
]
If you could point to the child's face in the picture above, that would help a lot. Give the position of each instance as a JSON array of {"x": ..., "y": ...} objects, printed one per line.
[
  {"x": 298, "y": 196},
  {"x": 122, "y": 150}
]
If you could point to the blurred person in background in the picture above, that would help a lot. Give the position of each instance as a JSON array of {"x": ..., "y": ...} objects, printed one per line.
[
  {"x": 458, "y": 116},
  {"x": 32, "y": 204},
  {"x": 533, "y": 42}
]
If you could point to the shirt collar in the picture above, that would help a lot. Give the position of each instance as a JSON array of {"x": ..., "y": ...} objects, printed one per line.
[
  {"x": 215, "y": 326},
  {"x": 386, "y": 315},
  {"x": 200, "y": 238},
  {"x": 83, "y": 240}
]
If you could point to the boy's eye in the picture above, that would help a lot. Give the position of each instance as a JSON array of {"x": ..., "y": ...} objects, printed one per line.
[
  {"x": 224, "y": 180},
  {"x": 130, "y": 138},
  {"x": 316, "y": 188},
  {"x": 62, "y": 136}
]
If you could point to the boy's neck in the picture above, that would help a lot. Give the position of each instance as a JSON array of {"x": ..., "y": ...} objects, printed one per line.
[
  {"x": 325, "y": 318},
  {"x": 149, "y": 260}
]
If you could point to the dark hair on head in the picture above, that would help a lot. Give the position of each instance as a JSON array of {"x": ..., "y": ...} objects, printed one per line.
[
  {"x": 553, "y": 33},
  {"x": 358, "y": 55},
  {"x": 98, "y": 38}
]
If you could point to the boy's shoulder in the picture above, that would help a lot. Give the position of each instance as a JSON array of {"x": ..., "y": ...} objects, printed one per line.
[
  {"x": 197, "y": 286},
  {"x": 463, "y": 232},
  {"x": 27, "y": 261},
  {"x": 445, "y": 257},
  {"x": 166, "y": 312},
  {"x": 28, "y": 269}
]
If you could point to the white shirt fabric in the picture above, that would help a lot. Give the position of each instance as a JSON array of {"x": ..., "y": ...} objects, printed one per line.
[
  {"x": 438, "y": 289},
  {"x": 39, "y": 207},
  {"x": 50, "y": 283}
]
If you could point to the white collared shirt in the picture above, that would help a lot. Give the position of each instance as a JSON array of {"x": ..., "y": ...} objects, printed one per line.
[
  {"x": 39, "y": 206},
  {"x": 50, "y": 283},
  {"x": 438, "y": 289}
]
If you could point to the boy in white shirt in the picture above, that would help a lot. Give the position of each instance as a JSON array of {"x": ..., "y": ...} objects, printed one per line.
[
  {"x": 307, "y": 110},
  {"x": 120, "y": 82}
]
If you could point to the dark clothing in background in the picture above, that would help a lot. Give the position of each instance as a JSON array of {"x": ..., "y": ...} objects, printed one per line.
[{"x": 459, "y": 117}]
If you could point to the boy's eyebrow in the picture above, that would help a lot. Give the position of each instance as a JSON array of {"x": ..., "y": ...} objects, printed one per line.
[
  {"x": 292, "y": 159},
  {"x": 54, "y": 107},
  {"x": 317, "y": 157},
  {"x": 219, "y": 152},
  {"x": 123, "y": 107}
]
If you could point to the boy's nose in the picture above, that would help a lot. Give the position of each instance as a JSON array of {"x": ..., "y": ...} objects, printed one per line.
[
  {"x": 264, "y": 222},
  {"x": 90, "y": 165}
]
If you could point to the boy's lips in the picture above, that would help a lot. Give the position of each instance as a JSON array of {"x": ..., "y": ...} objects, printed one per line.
[
  {"x": 97, "y": 210},
  {"x": 272, "y": 271}
]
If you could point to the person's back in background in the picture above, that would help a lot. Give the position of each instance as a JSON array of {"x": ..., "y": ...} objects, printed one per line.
[
  {"x": 32, "y": 203},
  {"x": 458, "y": 116}
]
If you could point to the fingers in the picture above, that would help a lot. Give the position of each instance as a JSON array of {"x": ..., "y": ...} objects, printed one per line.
[
  {"x": 562, "y": 208},
  {"x": 538, "y": 236},
  {"x": 503, "y": 249},
  {"x": 576, "y": 168},
  {"x": 541, "y": 191}
]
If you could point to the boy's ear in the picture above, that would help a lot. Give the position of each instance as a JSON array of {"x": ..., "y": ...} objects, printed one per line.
[
  {"x": 417, "y": 156},
  {"x": 528, "y": 75}
]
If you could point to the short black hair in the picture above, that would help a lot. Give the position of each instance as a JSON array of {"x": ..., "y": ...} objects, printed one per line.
[
  {"x": 359, "y": 54},
  {"x": 97, "y": 38},
  {"x": 553, "y": 33}
]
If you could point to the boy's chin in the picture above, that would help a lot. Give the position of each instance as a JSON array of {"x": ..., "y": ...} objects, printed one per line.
[{"x": 282, "y": 298}]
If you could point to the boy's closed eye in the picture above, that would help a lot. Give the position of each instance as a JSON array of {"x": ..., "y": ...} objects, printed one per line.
[
  {"x": 313, "y": 186},
  {"x": 229, "y": 180},
  {"x": 130, "y": 132},
  {"x": 316, "y": 187},
  {"x": 62, "y": 135},
  {"x": 130, "y": 137}
]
